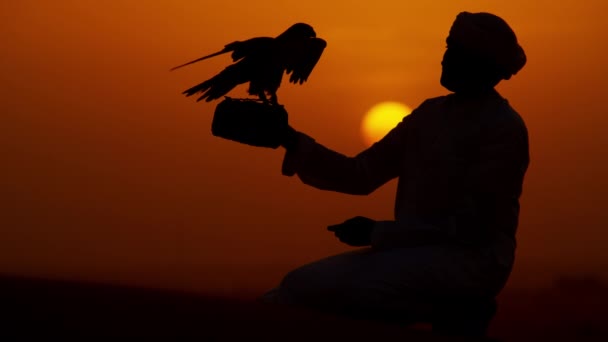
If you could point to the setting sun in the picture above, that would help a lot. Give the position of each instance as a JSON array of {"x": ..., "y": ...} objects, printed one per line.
[{"x": 380, "y": 119}]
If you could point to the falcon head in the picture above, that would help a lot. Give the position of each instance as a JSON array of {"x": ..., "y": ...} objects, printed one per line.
[{"x": 299, "y": 30}]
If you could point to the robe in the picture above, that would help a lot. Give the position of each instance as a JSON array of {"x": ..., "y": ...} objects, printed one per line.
[{"x": 460, "y": 163}]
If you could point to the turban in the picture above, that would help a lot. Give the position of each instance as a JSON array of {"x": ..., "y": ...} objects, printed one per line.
[{"x": 490, "y": 37}]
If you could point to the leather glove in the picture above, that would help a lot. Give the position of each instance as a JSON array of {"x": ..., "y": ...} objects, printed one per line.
[
  {"x": 356, "y": 231},
  {"x": 251, "y": 122}
]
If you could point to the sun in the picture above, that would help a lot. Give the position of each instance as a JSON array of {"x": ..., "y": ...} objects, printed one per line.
[{"x": 381, "y": 118}]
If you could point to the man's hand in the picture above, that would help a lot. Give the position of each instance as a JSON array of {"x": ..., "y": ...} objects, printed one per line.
[{"x": 356, "y": 231}]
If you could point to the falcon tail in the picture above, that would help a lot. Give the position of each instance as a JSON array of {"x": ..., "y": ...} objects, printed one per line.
[{"x": 202, "y": 58}]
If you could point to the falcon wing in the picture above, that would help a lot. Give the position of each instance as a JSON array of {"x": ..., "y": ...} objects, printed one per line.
[
  {"x": 241, "y": 49},
  {"x": 301, "y": 57}
]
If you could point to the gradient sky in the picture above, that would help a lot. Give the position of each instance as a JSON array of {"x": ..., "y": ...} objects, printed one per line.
[{"x": 109, "y": 173}]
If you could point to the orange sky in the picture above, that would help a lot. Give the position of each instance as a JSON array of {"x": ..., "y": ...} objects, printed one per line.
[{"x": 108, "y": 173}]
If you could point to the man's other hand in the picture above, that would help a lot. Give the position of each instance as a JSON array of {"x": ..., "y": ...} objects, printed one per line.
[{"x": 356, "y": 231}]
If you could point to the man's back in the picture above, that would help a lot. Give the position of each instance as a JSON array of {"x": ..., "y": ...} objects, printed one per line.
[
  {"x": 457, "y": 152},
  {"x": 462, "y": 167}
]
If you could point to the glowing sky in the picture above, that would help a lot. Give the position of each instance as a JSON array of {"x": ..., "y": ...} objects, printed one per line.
[{"x": 109, "y": 173}]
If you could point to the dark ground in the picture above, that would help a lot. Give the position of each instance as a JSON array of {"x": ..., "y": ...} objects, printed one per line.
[{"x": 85, "y": 311}]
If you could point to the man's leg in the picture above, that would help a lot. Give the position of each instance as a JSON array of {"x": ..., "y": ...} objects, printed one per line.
[
  {"x": 364, "y": 282},
  {"x": 331, "y": 285}
]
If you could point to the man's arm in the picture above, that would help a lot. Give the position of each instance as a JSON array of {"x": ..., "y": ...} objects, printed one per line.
[
  {"x": 325, "y": 169},
  {"x": 399, "y": 234},
  {"x": 381, "y": 235}
]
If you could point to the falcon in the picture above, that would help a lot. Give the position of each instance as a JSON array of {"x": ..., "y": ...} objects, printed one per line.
[{"x": 262, "y": 61}]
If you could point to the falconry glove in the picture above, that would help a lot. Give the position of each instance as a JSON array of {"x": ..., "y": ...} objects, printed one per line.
[{"x": 251, "y": 122}]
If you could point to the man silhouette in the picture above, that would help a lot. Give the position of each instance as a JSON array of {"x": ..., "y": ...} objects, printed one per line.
[{"x": 460, "y": 160}]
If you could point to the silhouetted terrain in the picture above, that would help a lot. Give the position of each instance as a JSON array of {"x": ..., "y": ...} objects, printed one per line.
[
  {"x": 574, "y": 309},
  {"x": 74, "y": 310},
  {"x": 62, "y": 309}
]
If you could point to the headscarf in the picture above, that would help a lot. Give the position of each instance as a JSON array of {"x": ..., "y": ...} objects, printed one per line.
[{"x": 491, "y": 37}]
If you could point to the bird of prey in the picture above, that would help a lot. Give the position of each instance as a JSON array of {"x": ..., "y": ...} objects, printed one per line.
[{"x": 261, "y": 61}]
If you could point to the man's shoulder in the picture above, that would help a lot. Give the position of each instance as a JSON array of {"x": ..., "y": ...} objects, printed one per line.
[
  {"x": 502, "y": 121},
  {"x": 506, "y": 114},
  {"x": 433, "y": 101},
  {"x": 430, "y": 105}
]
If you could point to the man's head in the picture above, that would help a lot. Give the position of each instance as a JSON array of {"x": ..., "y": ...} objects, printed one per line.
[{"x": 481, "y": 51}]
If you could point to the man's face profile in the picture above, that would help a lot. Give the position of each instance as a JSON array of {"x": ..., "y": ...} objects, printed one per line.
[
  {"x": 450, "y": 68},
  {"x": 463, "y": 70},
  {"x": 458, "y": 67}
]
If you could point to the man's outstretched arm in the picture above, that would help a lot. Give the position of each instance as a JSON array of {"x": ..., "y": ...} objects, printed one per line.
[
  {"x": 257, "y": 125},
  {"x": 325, "y": 169}
]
